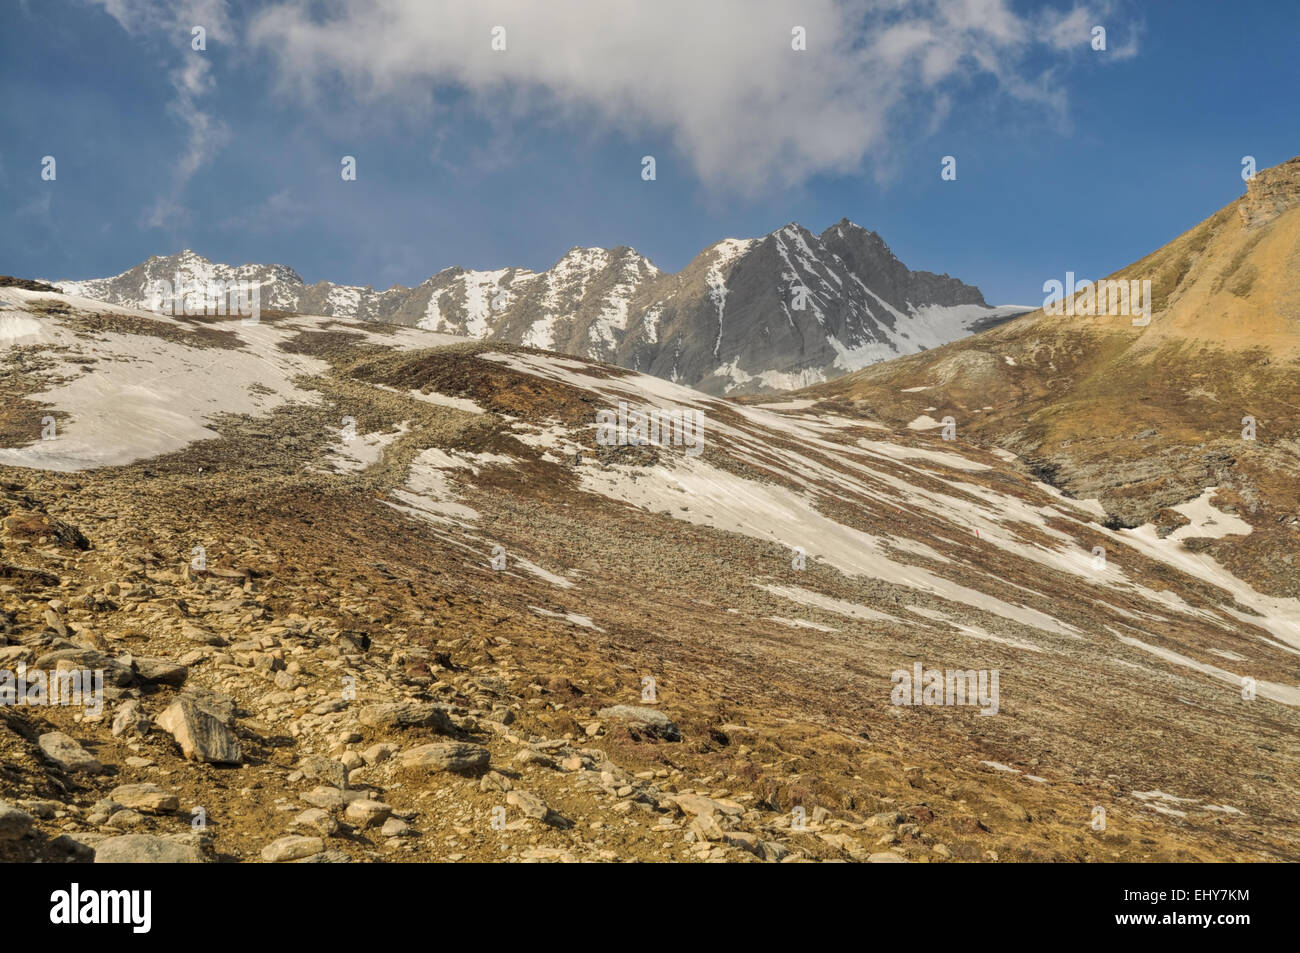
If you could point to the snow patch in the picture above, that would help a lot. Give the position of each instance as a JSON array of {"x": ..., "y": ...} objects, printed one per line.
[
  {"x": 801, "y": 624},
  {"x": 828, "y": 603}
]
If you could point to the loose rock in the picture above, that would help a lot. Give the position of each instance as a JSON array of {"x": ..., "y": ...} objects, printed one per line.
[
  {"x": 201, "y": 735},
  {"x": 292, "y": 847},
  {"x": 651, "y": 720},
  {"x": 146, "y": 849},
  {"x": 68, "y": 754},
  {"x": 453, "y": 756},
  {"x": 149, "y": 798},
  {"x": 14, "y": 823}
]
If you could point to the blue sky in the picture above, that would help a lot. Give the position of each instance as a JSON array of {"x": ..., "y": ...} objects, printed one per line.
[{"x": 1067, "y": 158}]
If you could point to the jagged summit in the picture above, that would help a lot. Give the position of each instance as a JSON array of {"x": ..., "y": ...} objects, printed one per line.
[{"x": 783, "y": 310}]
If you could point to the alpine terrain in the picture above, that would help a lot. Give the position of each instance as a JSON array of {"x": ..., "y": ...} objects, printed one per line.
[
  {"x": 360, "y": 591},
  {"x": 745, "y": 316},
  {"x": 1193, "y": 414}
]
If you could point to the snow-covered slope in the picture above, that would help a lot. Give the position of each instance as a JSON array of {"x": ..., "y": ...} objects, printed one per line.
[{"x": 786, "y": 544}]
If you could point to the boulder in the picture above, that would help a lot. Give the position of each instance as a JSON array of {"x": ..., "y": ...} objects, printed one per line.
[
  {"x": 450, "y": 756},
  {"x": 292, "y": 847},
  {"x": 149, "y": 798},
  {"x": 160, "y": 671},
  {"x": 650, "y": 720},
  {"x": 406, "y": 714},
  {"x": 146, "y": 849},
  {"x": 201, "y": 735},
  {"x": 68, "y": 754},
  {"x": 14, "y": 822}
]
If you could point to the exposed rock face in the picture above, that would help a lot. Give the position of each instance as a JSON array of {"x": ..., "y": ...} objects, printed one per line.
[
  {"x": 8, "y": 281},
  {"x": 746, "y": 315},
  {"x": 1270, "y": 193},
  {"x": 37, "y": 527}
]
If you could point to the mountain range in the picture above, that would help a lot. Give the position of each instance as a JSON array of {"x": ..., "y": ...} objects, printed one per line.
[{"x": 786, "y": 310}]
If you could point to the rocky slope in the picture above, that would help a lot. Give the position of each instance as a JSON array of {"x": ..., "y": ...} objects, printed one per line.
[
  {"x": 362, "y": 592},
  {"x": 746, "y": 315},
  {"x": 1147, "y": 419}
]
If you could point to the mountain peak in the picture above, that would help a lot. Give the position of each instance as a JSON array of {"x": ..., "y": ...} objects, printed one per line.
[
  {"x": 730, "y": 325},
  {"x": 846, "y": 227},
  {"x": 791, "y": 228}
]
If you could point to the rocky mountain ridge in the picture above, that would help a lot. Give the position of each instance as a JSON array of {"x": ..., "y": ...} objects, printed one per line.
[{"x": 745, "y": 315}]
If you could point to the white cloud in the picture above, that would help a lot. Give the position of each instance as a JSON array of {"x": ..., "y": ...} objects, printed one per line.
[
  {"x": 148, "y": 16},
  {"x": 191, "y": 77},
  {"x": 719, "y": 77},
  {"x": 1074, "y": 30},
  {"x": 206, "y": 135}
]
